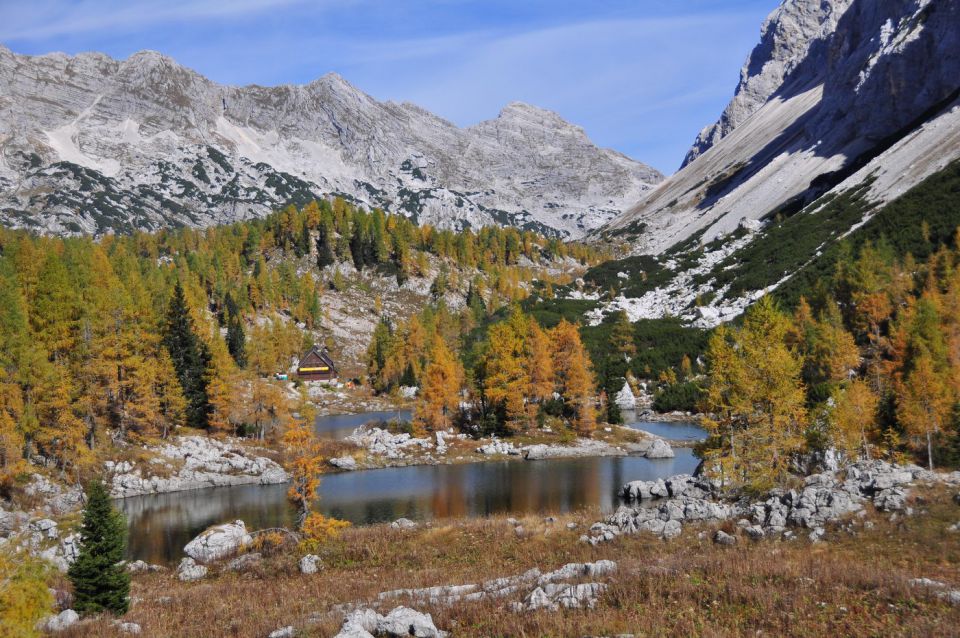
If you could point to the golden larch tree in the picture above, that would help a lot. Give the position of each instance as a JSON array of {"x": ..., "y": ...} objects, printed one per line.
[
  {"x": 439, "y": 388},
  {"x": 574, "y": 374}
]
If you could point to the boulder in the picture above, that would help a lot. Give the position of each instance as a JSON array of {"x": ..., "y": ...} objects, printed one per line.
[
  {"x": 360, "y": 623},
  {"x": 893, "y": 499},
  {"x": 660, "y": 449},
  {"x": 310, "y": 564},
  {"x": 403, "y": 523},
  {"x": 141, "y": 567},
  {"x": 755, "y": 532},
  {"x": 129, "y": 628},
  {"x": 283, "y": 632},
  {"x": 344, "y": 462},
  {"x": 46, "y": 527},
  {"x": 497, "y": 446},
  {"x": 625, "y": 399},
  {"x": 63, "y": 620},
  {"x": 403, "y": 621},
  {"x": 553, "y": 596},
  {"x": 244, "y": 562},
  {"x": 188, "y": 570},
  {"x": 218, "y": 542}
]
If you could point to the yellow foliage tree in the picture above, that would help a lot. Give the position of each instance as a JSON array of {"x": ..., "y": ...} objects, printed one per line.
[
  {"x": 756, "y": 400},
  {"x": 318, "y": 530},
  {"x": 304, "y": 462},
  {"x": 574, "y": 375},
  {"x": 506, "y": 379},
  {"x": 923, "y": 403},
  {"x": 854, "y": 418},
  {"x": 539, "y": 363},
  {"x": 440, "y": 387}
]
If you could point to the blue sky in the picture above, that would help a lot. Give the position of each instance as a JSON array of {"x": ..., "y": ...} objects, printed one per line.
[{"x": 640, "y": 76}]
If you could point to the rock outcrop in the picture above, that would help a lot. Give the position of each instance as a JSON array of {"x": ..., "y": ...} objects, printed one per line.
[
  {"x": 398, "y": 623},
  {"x": 92, "y": 144},
  {"x": 825, "y": 497},
  {"x": 384, "y": 443},
  {"x": 193, "y": 462}
]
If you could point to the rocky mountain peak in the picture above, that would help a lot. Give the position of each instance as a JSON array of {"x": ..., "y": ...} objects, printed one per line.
[
  {"x": 91, "y": 144},
  {"x": 786, "y": 37}
]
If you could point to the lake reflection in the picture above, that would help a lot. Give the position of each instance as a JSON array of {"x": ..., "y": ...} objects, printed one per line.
[{"x": 160, "y": 525}]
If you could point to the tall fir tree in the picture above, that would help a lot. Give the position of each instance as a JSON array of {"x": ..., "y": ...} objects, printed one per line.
[
  {"x": 100, "y": 581},
  {"x": 237, "y": 340},
  {"x": 190, "y": 358}
]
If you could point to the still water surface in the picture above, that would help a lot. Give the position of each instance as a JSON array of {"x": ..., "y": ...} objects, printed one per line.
[
  {"x": 338, "y": 426},
  {"x": 161, "y": 524}
]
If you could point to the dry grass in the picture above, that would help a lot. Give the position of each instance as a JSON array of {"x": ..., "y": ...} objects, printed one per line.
[{"x": 853, "y": 585}]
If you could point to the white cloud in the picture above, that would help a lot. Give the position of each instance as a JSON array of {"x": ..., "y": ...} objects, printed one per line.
[{"x": 48, "y": 18}]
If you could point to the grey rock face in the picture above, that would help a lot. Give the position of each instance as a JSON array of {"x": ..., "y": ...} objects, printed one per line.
[
  {"x": 204, "y": 463},
  {"x": 838, "y": 92},
  {"x": 786, "y": 38},
  {"x": 91, "y": 144},
  {"x": 684, "y": 499}
]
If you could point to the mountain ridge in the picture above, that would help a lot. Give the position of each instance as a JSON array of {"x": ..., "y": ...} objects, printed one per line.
[{"x": 139, "y": 131}]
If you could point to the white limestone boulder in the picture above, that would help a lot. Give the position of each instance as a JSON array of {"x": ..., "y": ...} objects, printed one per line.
[{"x": 220, "y": 541}]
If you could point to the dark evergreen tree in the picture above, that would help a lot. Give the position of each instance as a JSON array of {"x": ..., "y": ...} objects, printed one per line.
[
  {"x": 409, "y": 377},
  {"x": 237, "y": 340},
  {"x": 475, "y": 303},
  {"x": 190, "y": 358},
  {"x": 100, "y": 581},
  {"x": 358, "y": 248},
  {"x": 325, "y": 247},
  {"x": 251, "y": 245}
]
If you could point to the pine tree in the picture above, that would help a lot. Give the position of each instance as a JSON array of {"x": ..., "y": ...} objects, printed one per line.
[
  {"x": 236, "y": 340},
  {"x": 100, "y": 582},
  {"x": 190, "y": 358},
  {"x": 325, "y": 244}
]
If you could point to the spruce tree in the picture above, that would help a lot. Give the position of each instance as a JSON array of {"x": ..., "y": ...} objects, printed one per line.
[
  {"x": 100, "y": 582},
  {"x": 325, "y": 250},
  {"x": 190, "y": 358},
  {"x": 236, "y": 339}
]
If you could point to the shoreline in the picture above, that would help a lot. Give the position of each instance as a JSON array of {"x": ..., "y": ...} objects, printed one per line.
[{"x": 208, "y": 462}]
